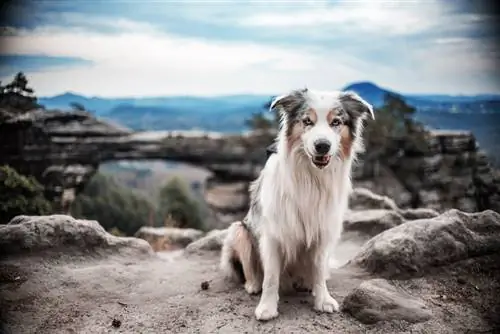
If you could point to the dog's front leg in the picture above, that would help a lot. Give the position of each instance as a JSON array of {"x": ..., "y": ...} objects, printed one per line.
[
  {"x": 323, "y": 301},
  {"x": 271, "y": 263}
]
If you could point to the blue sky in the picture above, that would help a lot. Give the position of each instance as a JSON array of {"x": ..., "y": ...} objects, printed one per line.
[{"x": 150, "y": 48}]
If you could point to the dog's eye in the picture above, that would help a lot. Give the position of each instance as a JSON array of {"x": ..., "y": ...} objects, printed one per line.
[
  {"x": 307, "y": 121},
  {"x": 336, "y": 122}
]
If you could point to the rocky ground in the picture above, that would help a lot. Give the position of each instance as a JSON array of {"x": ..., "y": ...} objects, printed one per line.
[{"x": 396, "y": 271}]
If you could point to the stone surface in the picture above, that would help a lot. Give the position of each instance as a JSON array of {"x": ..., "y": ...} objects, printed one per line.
[
  {"x": 35, "y": 234},
  {"x": 371, "y": 222},
  {"x": 63, "y": 150},
  {"x": 168, "y": 238},
  {"x": 412, "y": 248},
  {"x": 58, "y": 284},
  {"x": 377, "y": 300},
  {"x": 211, "y": 242},
  {"x": 362, "y": 198}
]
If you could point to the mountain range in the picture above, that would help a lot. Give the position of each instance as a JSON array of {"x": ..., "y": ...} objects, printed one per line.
[
  {"x": 147, "y": 110},
  {"x": 479, "y": 113}
]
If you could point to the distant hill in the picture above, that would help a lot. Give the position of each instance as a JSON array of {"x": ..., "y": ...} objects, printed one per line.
[
  {"x": 437, "y": 103},
  {"x": 228, "y": 113}
]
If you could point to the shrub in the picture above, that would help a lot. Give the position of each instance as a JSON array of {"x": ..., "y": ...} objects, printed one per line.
[
  {"x": 20, "y": 195},
  {"x": 177, "y": 207},
  {"x": 116, "y": 208}
]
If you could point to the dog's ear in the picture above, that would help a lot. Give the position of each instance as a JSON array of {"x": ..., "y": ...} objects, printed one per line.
[
  {"x": 353, "y": 103},
  {"x": 289, "y": 102}
]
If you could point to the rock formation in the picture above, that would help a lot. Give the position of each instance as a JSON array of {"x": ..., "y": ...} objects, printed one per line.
[
  {"x": 64, "y": 149},
  {"x": 168, "y": 238},
  {"x": 401, "y": 272}
]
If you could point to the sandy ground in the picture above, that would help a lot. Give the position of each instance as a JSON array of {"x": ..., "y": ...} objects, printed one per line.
[{"x": 163, "y": 294}]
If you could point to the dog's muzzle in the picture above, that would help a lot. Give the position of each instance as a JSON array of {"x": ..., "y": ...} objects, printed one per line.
[{"x": 321, "y": 158}]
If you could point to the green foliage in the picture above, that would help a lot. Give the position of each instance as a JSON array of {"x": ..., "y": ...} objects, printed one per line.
[
  {"x": 113, "y": 206},
  {"x": 178, "y": 207},
  {"x": 394, "y": 128},
  {"x": 77, "y": 106},
  {"x": 17, "y": 96},
  {"x": 259, "y": 121},
  {"x": 20, "y": 195}
]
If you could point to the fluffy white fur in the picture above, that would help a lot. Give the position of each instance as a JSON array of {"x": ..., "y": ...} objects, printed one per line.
[{"x": 300, "y": 213}]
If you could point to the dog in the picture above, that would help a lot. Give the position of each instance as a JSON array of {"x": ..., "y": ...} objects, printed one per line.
[{"x": 298, "y": 201}]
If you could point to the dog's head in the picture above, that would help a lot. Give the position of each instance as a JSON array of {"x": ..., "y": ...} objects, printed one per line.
[{"x": 322, "y": 125}]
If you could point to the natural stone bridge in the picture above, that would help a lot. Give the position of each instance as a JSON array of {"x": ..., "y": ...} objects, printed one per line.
[{"x": 64, "y": 149}]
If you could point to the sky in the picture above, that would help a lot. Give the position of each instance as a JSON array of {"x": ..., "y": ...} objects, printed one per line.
[{"x": 207, "y": 47}]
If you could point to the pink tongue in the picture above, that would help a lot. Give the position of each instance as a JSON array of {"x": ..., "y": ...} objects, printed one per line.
[{"x": 325, "y": 158}]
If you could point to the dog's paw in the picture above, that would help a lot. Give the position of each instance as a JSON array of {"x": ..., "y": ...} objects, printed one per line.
[
  {"x": 326, "y": 304},
  {"x": 252, "y": 288},
  {"x": 265, "y": 312}
]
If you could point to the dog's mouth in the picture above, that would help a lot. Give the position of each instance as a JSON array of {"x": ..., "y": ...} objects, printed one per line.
[{"x": 321, "y": 161}]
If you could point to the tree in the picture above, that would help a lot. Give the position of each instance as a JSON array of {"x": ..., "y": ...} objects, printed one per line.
[
  {"x": 259, "y": 120},
  {"x": 394, "y": 128},
  {"x": 77, "y": 106},
  {"x": 115, "y": 207},
  {"x": 20, "y": 195},
  {"x": 17, "y": 96},
  {"x": 177, "y": 207}
]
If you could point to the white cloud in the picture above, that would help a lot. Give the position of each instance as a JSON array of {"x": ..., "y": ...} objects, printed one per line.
[
  {"x": 137, "y": 63},
  {"x": 373, "y": 17},
  {"x": 143, "y": 61}
]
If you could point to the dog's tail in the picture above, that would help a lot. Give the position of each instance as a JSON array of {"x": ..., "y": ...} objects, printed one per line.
[{"x": 230, "y": 262}]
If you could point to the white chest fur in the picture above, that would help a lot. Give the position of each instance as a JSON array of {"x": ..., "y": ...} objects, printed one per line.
[{"x": 302, "y": 208}]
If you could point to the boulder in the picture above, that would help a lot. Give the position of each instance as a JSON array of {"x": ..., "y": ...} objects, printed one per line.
[
  {"x": 413, "y": 247},
  {"x": 36, "y": 234},
  {"x": 168, "y": 238},
  {"x": 211, "y": 242},
  {"x": 371, "y": 222},
  {"x": 421, "y": 213},
  {"x": 363, "y": 198},
  {"x": 377, "y": 300}
]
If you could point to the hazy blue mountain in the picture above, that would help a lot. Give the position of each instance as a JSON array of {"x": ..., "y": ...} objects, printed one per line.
[
  {"x": 228, "y": 113},
  {"x": 483, "y": 104},
  {"x": 480, "y": 114}
]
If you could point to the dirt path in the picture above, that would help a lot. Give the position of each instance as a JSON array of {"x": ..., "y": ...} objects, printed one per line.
[{"x": 163, "y": 294}]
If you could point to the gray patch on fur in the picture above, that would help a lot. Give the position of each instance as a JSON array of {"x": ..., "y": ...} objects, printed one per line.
[
  {"x": 354, "y": 108},
  {"x": 254, "y": 214},
  {"x": 292, "y": 107}
]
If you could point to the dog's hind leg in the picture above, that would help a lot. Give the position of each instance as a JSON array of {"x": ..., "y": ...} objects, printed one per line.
[{"x": 238, "y": 247}]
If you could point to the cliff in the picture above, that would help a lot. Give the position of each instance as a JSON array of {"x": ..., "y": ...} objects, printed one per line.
[{"x": 64, "y": 149}]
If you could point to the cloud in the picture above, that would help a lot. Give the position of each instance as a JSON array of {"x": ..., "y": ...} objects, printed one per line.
[
  {"x": 373, "y": 17},
  {"x": 146, "y": 63},
  {"x": 271, "y": 49}
]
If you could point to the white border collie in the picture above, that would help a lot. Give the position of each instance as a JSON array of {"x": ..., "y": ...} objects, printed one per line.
[{"x": 299, "y": 200}]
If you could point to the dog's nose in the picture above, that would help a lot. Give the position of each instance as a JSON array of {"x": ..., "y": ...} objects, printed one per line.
[{"x": 322, "y": 146}]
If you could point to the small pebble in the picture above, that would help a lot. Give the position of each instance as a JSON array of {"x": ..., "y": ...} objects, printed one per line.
[
  {"x": 205, "y": 285},
  {"x": 461, "y": 280},
  {"x": 116, "y": 323}
]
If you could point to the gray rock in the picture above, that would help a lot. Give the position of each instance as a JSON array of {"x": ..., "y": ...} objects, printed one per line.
[
  {"x": 411, "y": 248},
  {"x": 421, "y": 213},
  {"x": 363, "y": 198},
  {"x": 166, "y": 238},
  {"x": 371, "y": 222},
  {"x": 378, "y": 300},
  {"x": 211, "y": 242},
  {"x": 28, "y": 234}
]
